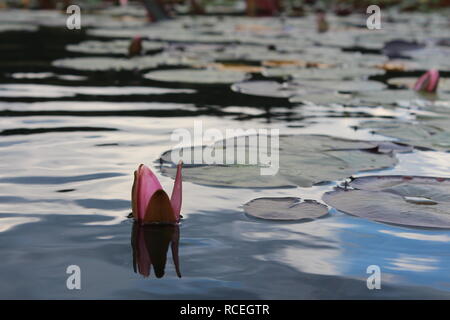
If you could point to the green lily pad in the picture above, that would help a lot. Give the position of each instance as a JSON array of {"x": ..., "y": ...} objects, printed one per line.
[
  {"x": 302, "y": 89},
  {"x": 316, "y": 92},
  {"x": 404, "y": 98},
  {"x": 196, "y": 76},
  {"x": 111, "y": 47},
  {"x": 271, "y": 89},
  {"x": 324, "y": 98},
  {"x": 336, "y": 73},
  {"x": 403, "y": 200},
  {"x": 435, "y": 54},
  {"x": 304, "y": 160},
  {"x": 105, "y": 63},
  {"x": 344, "y": 85},
  {"x": 17, "y": 27},
  {"x": 285, "y": 209},
  {"x": 430, "y": 134},
  {"x": 129, "y": 33},
  {"x": 285, "y": 71}
]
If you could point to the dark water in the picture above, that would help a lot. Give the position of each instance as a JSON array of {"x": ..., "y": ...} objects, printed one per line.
[{"x": 68, "y": 149}]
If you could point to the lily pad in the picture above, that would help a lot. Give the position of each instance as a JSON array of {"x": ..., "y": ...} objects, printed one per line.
[
  {"x": 344, "y": 85},
  {"x": 324, "y": 98},
  {"x": 304, "y": 160},
  {"x": 299, "y": 89},
  {"x": 265, "y": 89},
  {"x": 403, "y": 200},
  {"x": 307, "y": 71},
  {"x": 17, "y": 27},
  {"x": 404, "y": 98},
  {"x": 129, "y": 33},
  {"x": 282, "y": 71},
  {"x": 111, "y": 47},
  {"x": 200, "y": 76},
  {"x": 314, "y": 91},
  {"x": 285, "y": 209},
  {"x": 105, "y": 63},
  {"x": 336, "y": 73},
  {"x": 431, "y": 134}
]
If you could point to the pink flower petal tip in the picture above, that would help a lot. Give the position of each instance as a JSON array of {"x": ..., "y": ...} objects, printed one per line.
[{"x": 428, "y": 82}]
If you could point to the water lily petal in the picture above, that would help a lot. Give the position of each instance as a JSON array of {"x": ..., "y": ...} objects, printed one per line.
[
  {"x": 134, "y": 197},
  {"x": 428, "y": 82},
  {"x": 147, "y": 184},
  {"x": 159, "y": 209}
]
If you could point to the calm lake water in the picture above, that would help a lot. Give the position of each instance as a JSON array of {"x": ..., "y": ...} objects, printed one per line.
[{"x": 69, "y": 147}]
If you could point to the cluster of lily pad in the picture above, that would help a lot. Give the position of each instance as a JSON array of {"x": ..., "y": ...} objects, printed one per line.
[
  {"x": 288, "y": 59},
  {"x": 308, "y": 160},
  {"x": 299, "y": 64}
]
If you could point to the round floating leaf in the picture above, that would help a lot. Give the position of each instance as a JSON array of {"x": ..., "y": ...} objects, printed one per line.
[
  {"x": 285, "y": 209},
  {"x": 324, "y": 98},
  {"x": 271, "y": 89},
  {"x": 431, "y": 134},
  {"x": 215, "y": 52},
  {"x": 104, "y": 63},
  {"x": 283, "y": 71},
  {"x": 320, "y": 72},
  {"x": 111, "y": 47},
  {"x": 302, "y": 89},
  {"x": 129, "y": 33},
  {"x": 335, "y": 73},
  {"x": 344, "y": 85},
  {"x": 335, "y": 39},
  {"x": 302, "y": 160},
  {"x": 201, "y": 76},
  {"x": 17, "y": 27},
  {"x": 403, "y": 200},
  {"x": 404, "y": 98}
]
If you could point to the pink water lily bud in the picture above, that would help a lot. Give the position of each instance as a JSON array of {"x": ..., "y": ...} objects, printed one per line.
[
  {"x": 428, "y": 82},
  {"x": 135, "y": 47},
  {"x": 150, "y": 203}
]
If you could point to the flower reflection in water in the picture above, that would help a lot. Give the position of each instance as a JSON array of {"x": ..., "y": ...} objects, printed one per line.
[{"x": 150, "y": 245}]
